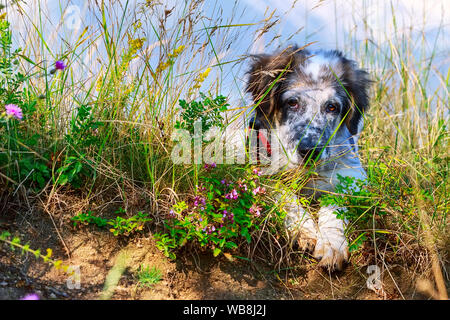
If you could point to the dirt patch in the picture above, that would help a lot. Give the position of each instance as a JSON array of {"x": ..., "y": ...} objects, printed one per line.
[{"x": 193, "y": 275}]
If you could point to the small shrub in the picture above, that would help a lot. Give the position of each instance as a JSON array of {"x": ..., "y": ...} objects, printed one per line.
[
  {"x": 119, "y": 225},
  {"x": 359, "y": 206},
  {"x": 221, "y": 213},
  {"x": 208, "y": 111},
  {"x": 81, "y": 138}
]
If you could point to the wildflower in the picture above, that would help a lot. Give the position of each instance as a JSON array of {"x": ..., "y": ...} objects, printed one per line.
[
  {"x": 176, "y": 52},
  {"x": 14, "y": 110},
  {"x": 170, "y": 61},
  {"x": 199, "y": 200},
  {"x": 227, "y": 217},
  {"x": 259, "y": 190},
  {"x": 233, "y": 195},
  {"x": 199, "y": 80},
  {"x": 209, "y": 229},
  {"x": 223, "y": 181},
  {"x": 201, "y": 188},
  {"x": 242, "y": 185},
  {"x": 255, "y": 210},
  {"x": 31, "y": 296},
  {"x": 257, "y": 171},
  {"x": 209, "y": 166},
  {"x": 60, "y": 65},
  {"x": 172, "y": 214}
]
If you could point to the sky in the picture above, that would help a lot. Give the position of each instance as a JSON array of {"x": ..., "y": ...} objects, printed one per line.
[{"x": 328, "y": 24}]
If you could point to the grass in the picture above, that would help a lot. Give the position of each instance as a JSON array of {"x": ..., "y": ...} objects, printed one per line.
[
  {"x": 99, "y": 132},
  {"x": 148, "y": 277}
]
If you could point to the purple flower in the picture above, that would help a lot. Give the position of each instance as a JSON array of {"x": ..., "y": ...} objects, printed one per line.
[
  {"x": 31, "y": 296},
  {"x": 223, "y": 181},
  {"x": 199, "y": 200},
  {"x": 172, "y": 214},
  {"x": 209, "y": 166},
  {"x": 14, "y": 111},
  {"x": 227, "y": 216},
  {"x": 233, "y": 195},
  {"x": 60, "y": 65}
]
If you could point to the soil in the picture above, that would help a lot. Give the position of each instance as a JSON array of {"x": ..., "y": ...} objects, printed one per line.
[{"x": 192, "y": 275}]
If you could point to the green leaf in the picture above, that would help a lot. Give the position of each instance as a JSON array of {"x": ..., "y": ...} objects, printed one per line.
[{"x": 216, "y": 252}]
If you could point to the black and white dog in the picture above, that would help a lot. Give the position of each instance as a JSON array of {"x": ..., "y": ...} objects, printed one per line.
[{"x": 315, "y": 101}]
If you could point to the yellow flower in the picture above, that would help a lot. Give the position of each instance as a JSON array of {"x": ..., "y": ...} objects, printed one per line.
[
  {"x": 199, "y": 80},
  {"x": 176, "y": 52}
]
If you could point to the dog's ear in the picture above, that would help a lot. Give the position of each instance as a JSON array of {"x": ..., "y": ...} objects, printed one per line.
[
  {"x": 356, "y": 83},
  {"x": 266, "y": 74}
]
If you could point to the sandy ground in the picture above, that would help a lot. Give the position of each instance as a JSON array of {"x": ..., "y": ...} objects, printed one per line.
[{"x": 191, "y": 276}]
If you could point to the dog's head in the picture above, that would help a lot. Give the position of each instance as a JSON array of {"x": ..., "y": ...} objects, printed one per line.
[{"x": 307, "y": 95}]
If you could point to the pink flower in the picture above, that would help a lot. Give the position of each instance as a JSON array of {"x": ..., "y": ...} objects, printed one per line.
[
  {"x": 255, "y": 210},
  {"x": 209, "y": 229},
  {"x": 201, "y": 188},
  {"x": 242, "y": 185},
  {"x": 259, "y": 190},
  {"x": 14, "y": 111},
  {"x": 31, "y": 296},
  {"x": 233, "y": 195},
  {"x": 257, "y": 171}
]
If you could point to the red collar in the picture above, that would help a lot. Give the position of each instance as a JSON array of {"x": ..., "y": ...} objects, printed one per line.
[
  {"x": 265, "y": 143},
  {"x": 261, "y": 141}
]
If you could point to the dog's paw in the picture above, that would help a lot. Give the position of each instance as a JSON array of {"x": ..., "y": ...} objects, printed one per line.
[
  {"x": 306, "y": 242},
  {"x": 331, "y": 249},
  {"x": 303, "y": 234}
]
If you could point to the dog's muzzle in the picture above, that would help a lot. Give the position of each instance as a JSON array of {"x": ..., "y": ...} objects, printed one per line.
[{"x": 309, "y": 147}]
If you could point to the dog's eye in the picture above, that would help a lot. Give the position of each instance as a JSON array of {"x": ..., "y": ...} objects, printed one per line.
[
  {"x": 332, "y": 107},
  {"x": 292, "y": 102}
]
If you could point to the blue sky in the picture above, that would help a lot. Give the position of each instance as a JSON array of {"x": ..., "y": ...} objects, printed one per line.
[{"x": 331, "y": 24}]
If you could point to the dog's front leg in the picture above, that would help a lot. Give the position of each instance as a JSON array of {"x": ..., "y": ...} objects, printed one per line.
[
  {"x": 299, "y": 224},
  {"x": 331, "y": 247}
]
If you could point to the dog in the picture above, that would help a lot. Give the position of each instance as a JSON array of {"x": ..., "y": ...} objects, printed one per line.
[{"x": 315, "y": 101}]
